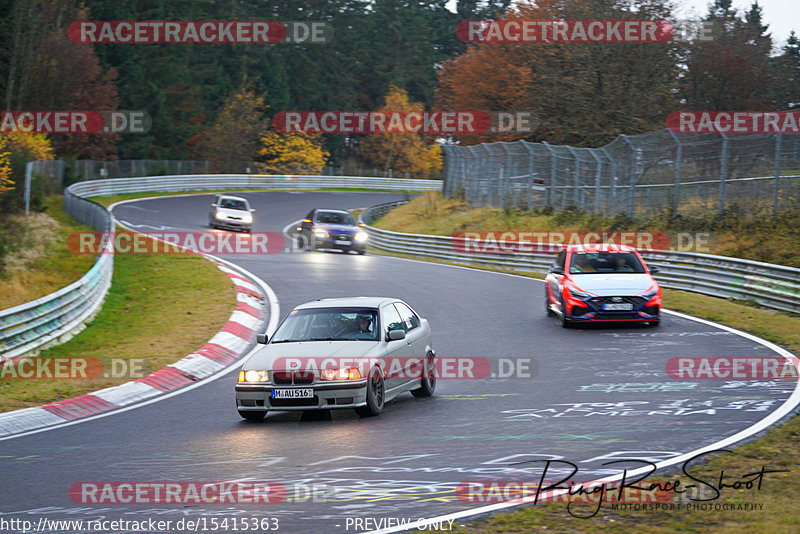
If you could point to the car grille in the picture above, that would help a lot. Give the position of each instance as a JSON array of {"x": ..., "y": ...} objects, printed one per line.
[
  {"x": 598, "y": 302},
  {"x": 292, "y": 377},
  {"x": 341, "y": 236},
  {"x": 614, "y": 316},
  {"x": 294, "y": 402}
]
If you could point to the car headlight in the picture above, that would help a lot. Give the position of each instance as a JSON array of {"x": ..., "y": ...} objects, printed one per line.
[
  {"x": 247, "y": 219},
  {"x": 340, "y": 374},
  {"x": 577, "y": 293},
  {"x": 650, "y": 293},
  {"x": 219, "y": 215},
  {"x": 319, "y": 232},
  {"x": 253, "y": 376},
  {"x": 361, "y": 236}
]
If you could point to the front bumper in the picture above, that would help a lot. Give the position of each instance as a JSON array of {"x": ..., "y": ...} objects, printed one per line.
[
  {"x": 591, "y": 310},
  {"x": 342, "y": 244},
  {"x": 232, "y": 225},
  {"x": 327, "y": 396}
]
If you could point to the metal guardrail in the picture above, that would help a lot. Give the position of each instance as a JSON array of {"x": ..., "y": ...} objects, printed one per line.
[
  {"x": 202, "y": 182},
  {"x": 769, "y": 285},
  {"x": 58, "y": 316}
]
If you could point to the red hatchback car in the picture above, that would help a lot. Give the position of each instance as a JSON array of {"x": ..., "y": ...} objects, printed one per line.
[{"x": 602, "y": 283}]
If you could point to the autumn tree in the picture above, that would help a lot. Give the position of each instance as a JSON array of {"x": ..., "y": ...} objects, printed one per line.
[
  {"x": 580, "y": 93},
  {"x": 233, "y": 138},
  {"x": 412, "y": 153},
  {"x": 732, "y": 70},
  {"x": 16, "y": 149},
  {"x": 45, "y": 70},
  {"x": 291, "y": 153},
  {"x": 785, "y": 87}
]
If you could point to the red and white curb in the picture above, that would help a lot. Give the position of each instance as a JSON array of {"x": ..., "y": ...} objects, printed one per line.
[{"x": 220, "y": 355}]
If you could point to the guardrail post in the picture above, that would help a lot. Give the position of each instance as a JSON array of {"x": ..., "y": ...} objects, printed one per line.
[
  {"x": 778, "y": 143},
  {"x": 632, "y": 188},
  {"x": 28, "y": 173},
  {"x": 723, "y": 173},
  {"x": 531, "y": 160},
  {"x": 576, "y": 182},
  {"x": 676, "y": 192},
  {"x": 597, "y": 181},
  {"x": 551, "y": 187},
  {"x": 612, "y": 197}
]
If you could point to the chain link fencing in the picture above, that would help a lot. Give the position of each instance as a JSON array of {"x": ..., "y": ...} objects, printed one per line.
[{"x": 683, "y": 173}]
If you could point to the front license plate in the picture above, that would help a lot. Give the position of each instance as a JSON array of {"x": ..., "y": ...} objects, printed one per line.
[
  {"x": 342, "y": 242},
  {"x": 304, "y": 393},
  {"x": 624, "y": 306}
]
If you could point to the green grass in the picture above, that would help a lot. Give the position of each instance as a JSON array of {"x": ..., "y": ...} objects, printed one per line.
[
  {"x": 159, "y": 308},
  {"x": 768, "y": 239},
  {"x": 778, "y": 449},
  {"x": 51, "y": 268}
]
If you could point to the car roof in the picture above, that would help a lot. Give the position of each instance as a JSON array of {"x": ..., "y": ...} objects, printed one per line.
[
  {"x": 331, "y": 211},
  {"x": 368, "y": 302},
  {"x": 600, "y": 247}
]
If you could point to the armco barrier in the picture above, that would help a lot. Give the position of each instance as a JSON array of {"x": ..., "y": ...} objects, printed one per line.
[
  {"x": 202, "y": 182},
  {"x": 769, "y": 285},
  {"x": 56, "y": 317}
]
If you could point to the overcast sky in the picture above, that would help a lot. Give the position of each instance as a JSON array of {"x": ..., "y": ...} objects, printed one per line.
[{"x": 781, "y": 15}]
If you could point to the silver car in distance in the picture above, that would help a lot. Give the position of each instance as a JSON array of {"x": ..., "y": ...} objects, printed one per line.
[{"x": 356, "y": 352}]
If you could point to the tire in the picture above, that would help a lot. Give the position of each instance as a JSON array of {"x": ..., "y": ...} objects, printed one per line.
[
  {"x": 428, "y": 383},
  {"x": 253, "y": 415},
  {"x": 565, "y": 323},
  {"x": 376, "y": 394},
  {"x": 303, "y": 242},
  {"x": 547, "y": 308},
  {"x": 361, "y": 252}
]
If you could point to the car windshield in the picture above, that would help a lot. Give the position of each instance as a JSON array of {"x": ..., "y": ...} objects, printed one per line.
[
  {"x": 232, "y": 204},
  {"x": 335, "y": 217},
  {"x": 605, "y": 262},
  {"x": 329, "y": 324}
]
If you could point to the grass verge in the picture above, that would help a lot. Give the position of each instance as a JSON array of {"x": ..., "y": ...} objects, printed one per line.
[
  {"x": 733, "y": 233},
  {"x": 159, "y": 309},
  {"x": 777, "y": 449},
  {"x": 40, "y": 263}
]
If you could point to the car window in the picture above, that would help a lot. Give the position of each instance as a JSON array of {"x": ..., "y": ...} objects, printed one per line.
[
  {"x": 334, "y": 324},
  {"x": 605, "y": 262},
  {"x": 392, "y": 319},
  {"x": 233, "y": 204},
  {"x": 409, "y": 318},
  {"x": 332, "y": 217},
  {"x": 561, "y": 258}
]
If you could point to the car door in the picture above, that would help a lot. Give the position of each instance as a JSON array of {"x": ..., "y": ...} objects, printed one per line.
[
  {"x": 416, "y": 341},
  {"x": 213, "y": 209},
  {"x": 398, "y": 351},
  {"x": 555, "y": 280}
]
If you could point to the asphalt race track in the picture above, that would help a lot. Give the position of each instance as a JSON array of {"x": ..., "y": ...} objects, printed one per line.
[{"x": 593, "y": 395}]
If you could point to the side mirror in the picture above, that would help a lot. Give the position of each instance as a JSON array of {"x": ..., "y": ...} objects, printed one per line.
[
  {"x": 252, "y": 210},
  {"x": 394, "y": 335},
  {"x": 654, "y": 269},
  {"x": 557, "y": 270},
  {"x": 213, "y": 205},
  {"x": 262, "y": 339}
]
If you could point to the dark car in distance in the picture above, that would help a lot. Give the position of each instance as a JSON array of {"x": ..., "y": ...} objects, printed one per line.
[{"x": 332, "y": 229}]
